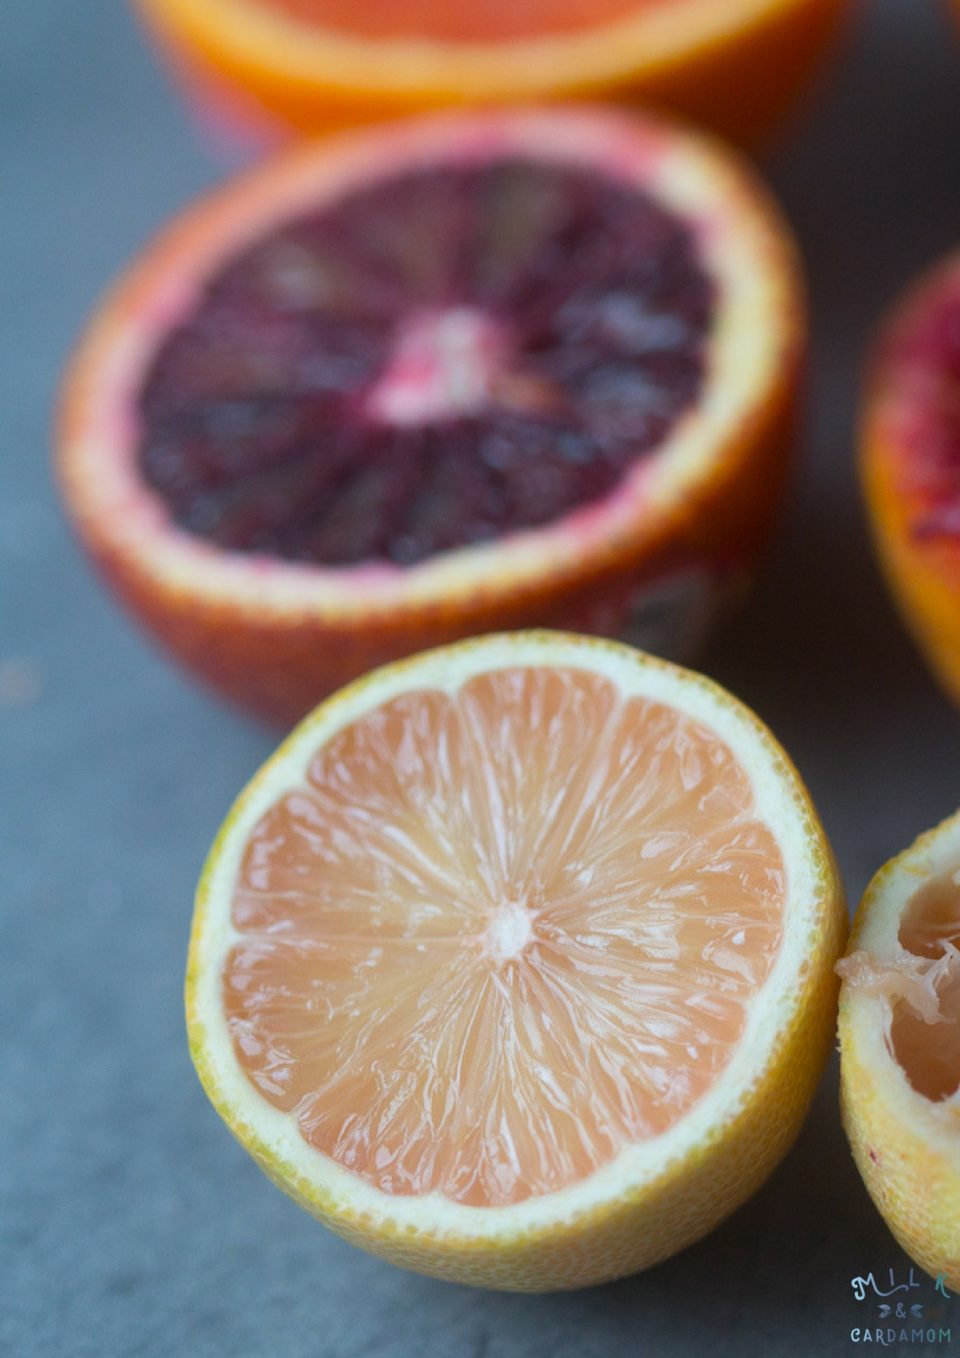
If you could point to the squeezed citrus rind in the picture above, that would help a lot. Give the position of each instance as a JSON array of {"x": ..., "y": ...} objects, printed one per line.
[{"x": 904, "y": 1146}]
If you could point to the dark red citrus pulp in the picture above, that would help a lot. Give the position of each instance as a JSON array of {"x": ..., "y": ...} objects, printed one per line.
[{"x": 449, "y": 355}]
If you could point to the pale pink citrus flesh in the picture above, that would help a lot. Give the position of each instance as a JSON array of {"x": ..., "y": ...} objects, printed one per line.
[
  {"x": 478, "y": 962},
  {"x": 923, "y": 987},
  {"x": 460, "y": 20}
]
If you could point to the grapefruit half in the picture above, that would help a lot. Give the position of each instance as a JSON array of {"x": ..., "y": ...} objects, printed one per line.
[
  {"x": 514, "y": 965},
  {"x": 465, "y": 374}
]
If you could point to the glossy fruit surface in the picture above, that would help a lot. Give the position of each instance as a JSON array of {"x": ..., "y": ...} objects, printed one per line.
[
  {"x": 515, "y": 963},
  {"x": 454, "y": 376}
]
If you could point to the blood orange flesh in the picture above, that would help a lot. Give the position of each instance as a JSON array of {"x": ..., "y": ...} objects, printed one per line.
[
  {"x": 458, "y": 375},
  {"x": 922, "y": 356},
  {"x": 452, "y": 354},
  {"x": 315, "y": 65},
  {"x": 500, "y": 933},
  {"x": 910, "y": 462}
]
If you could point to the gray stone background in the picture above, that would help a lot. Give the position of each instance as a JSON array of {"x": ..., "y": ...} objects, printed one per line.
[{"x": 131, "y": 1225}]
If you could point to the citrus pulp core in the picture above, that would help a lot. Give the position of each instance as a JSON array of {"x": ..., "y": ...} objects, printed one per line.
[
  {"x": 923, "y": 987},
  {"x": 461, "y": 20},
  {"x": 927, "y": 1041},
  {"x": 501, "y": 932},
  {"x": 431, "y": 361}
]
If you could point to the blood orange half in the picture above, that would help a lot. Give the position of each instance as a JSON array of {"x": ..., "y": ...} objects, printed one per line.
[
  {"x": 735, "y": 65},
  {"x": 453, "y": 376},
  {"x": 910, "y": 463},
  {"x": 515, "y": 963}
]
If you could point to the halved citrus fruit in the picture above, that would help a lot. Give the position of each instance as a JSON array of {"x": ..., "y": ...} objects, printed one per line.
[
  {"x": 910, "y": 463},
  {"x": 460, "y": 375},
  {"x": 515, "y": 963},
  {"x": 734, "y": 65},
  {"x": 900, "y": 1047}
]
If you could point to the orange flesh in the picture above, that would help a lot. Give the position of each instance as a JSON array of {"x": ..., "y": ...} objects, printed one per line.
[
  {"x": 923, "y": 988},
  {"x": 500, "y": 934},
  {"x": 460, "y": 20}
]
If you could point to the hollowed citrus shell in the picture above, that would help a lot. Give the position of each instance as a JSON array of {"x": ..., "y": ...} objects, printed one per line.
[{"x": 899, "y": 1054}]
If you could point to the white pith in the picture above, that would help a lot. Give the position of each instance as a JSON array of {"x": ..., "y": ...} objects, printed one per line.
[
  {"x": 754, "y": 340},
  {"x": 443, "y": 363},
  {"x": 867, "y": 1017},
  {"x": 509, "y": 931},
  {"x": 779, "y": 800}
]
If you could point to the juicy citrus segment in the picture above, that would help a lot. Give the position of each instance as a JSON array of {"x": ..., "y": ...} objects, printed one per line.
[
  {"x": 514, "y": 964},
  {"x": 900, "y": 1047},
  {"x": 459, "y": 20},
  {"x": 455, "y": 353},
  {"x": 476, "y": 961}
]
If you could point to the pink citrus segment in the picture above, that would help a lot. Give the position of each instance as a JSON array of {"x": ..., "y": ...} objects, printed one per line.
[{"x": 502, "y": 932}]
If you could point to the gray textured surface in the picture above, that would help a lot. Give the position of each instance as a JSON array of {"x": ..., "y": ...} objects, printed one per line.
[{"x": 130, "y": 1224}]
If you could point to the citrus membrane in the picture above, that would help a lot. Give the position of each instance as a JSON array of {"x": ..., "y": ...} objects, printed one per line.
[
  {"x": 503, "y": 932},
  {"x": 899, "y": 1051},
  {"x": 921, "y": 986}
]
